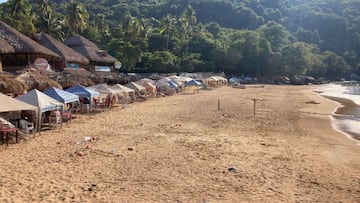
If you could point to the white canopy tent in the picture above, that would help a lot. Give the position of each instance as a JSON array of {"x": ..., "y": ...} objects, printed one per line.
[{"x": 42, "y": 101}]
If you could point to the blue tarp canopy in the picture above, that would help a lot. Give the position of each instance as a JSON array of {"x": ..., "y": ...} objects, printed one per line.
[
  {"x": 234, "y": 80},
  {"x": 61, "y": 95},
  {"x": 83, "y": 91},
  {"x": 192, "y": 83},
  {"x": 173, "y": 85}
]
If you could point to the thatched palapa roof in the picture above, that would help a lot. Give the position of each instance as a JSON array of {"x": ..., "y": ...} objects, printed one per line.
[
  {"x": 21, "y": 43},
  {"x": 5, "y": 47},
  {"x": 8, "y": 84},
  {"x": 60, "y": 48},
  {"x": 36, "y": 81},
  {"x": 89, "y": 49}
]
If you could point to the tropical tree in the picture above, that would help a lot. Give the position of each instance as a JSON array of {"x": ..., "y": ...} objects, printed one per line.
[
  {"x": 168, "y": 28},
  {"x": 76, "y": 17},
  {"x": 133, "y": 28},
  {"x": 187, "y": 21},
  {"x": 49, "y": 21},
  {"x": 17, "y": 13}
]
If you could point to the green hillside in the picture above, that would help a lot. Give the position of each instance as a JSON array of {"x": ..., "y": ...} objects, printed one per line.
[{"x": 318, "y": 38}]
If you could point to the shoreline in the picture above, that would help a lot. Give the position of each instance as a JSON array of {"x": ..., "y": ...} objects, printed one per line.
[{"x": 346, "y": 117}]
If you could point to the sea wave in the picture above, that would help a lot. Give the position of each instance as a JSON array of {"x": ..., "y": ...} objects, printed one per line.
[
  {"x": 345, "y": 90},
  {"x": 347, "y": 123}
]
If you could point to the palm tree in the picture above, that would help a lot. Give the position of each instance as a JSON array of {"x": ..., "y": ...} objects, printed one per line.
[
  {"x": 168, "y": 28},
  {"x": 18, "y": 15},
  {"x": 187, "y": 21},
  {"x": 133, "y": 28},
  {"x": 76, "y": 17}
]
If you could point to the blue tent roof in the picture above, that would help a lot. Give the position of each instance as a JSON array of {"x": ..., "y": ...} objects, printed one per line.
[
  {"x": 173, "y": 85},
  {"x": 83, "y": 91},
  {"x": 61, "y": 95},
  {"x": 192, "y": 83}
]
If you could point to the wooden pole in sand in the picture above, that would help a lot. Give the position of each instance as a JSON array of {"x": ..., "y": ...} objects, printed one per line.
[
  {"x": 254, "y": 107},
  {"x": 255, "y": 100},
  {"x": 218, "y": 104}
]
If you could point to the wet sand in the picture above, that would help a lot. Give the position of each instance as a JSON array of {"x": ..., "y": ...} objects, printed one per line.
[
  {"x": 181, "y": 148},
  {"x": 347, "y": 117}
]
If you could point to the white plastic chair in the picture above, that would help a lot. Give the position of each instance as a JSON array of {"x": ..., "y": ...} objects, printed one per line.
[{"x": 27, "y": 126}]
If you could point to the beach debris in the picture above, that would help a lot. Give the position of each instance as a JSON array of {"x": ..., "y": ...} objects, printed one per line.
[
  {"x": 176, "y": 126},
  {"x": 232, "y": 169},
  {"x": 130, "y": 149},
  {"x": 75, "y": 142},
  {"x": 79, "y": 153},
  {"x": 312, "y": 102},
  {"x": 87, "y": 138},
  {"x": 113, "y": 150}
]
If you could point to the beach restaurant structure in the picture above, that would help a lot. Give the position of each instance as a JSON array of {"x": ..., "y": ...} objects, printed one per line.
[
  {"x": 99, "y": 59},
  {"x": 24, "y": 50},
  {"x": 71, "y": 58}
]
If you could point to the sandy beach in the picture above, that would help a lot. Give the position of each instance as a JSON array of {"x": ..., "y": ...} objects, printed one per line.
[{"x": 181, "y": 148}]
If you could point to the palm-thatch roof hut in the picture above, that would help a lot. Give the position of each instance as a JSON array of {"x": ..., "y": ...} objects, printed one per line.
[
  {"x": 90, "y": 50},
  {"x": 36, "y": 81},
  {"x": 8, "y": 84},
  {"x": 5, "y": 48},
  {"x": 68, "y": 54},
  {"x": 26, "y": 49}
]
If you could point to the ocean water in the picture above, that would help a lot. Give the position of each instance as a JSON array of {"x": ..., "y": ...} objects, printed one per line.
[{"x": 346, "y": 118}]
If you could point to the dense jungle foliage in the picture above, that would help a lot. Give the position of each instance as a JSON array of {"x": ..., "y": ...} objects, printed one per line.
[{"x": 318, "y": 38}]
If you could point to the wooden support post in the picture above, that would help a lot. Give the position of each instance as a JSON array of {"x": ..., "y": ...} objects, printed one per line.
[
  {"x": 254, "y": 107},
  {"x": 218, "y": 104}
]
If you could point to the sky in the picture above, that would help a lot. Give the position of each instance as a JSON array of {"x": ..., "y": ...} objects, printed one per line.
[{"x": 2, "y": 1}]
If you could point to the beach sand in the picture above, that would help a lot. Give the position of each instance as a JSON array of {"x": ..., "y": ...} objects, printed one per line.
[{"x": 181, "y": 148}]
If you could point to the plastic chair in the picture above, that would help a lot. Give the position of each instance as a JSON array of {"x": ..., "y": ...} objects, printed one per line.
[{"x": 27, "y": 126}]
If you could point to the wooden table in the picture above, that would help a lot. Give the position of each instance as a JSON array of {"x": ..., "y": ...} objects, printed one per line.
[{"x": 5, "y": 133}]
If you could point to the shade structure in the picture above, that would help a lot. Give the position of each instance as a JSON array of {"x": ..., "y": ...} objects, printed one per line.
[
  {"x": 147, "y": 84},
  {"x": 5, "y": 47},
  {"x": 9, "y": 104},
  {"x": 41, "y": 100},
  {"x": 61, "y": 95},
  {"x": 8, "y": 84},
  {"x": 173, "y": 85},
  {"x": 23, "y": 44},
  {"x": 89, "y": 49},
  {"x": 82, "y": 91},
  {"x": 192, "y": 83},
  {"x": 234, "y": 80},
  {"x": 123, "y": 88},
  {"x": 137, "y": 88},
  {"x": 105, "y": 89},
  {"x": 68, "y": 54}
]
